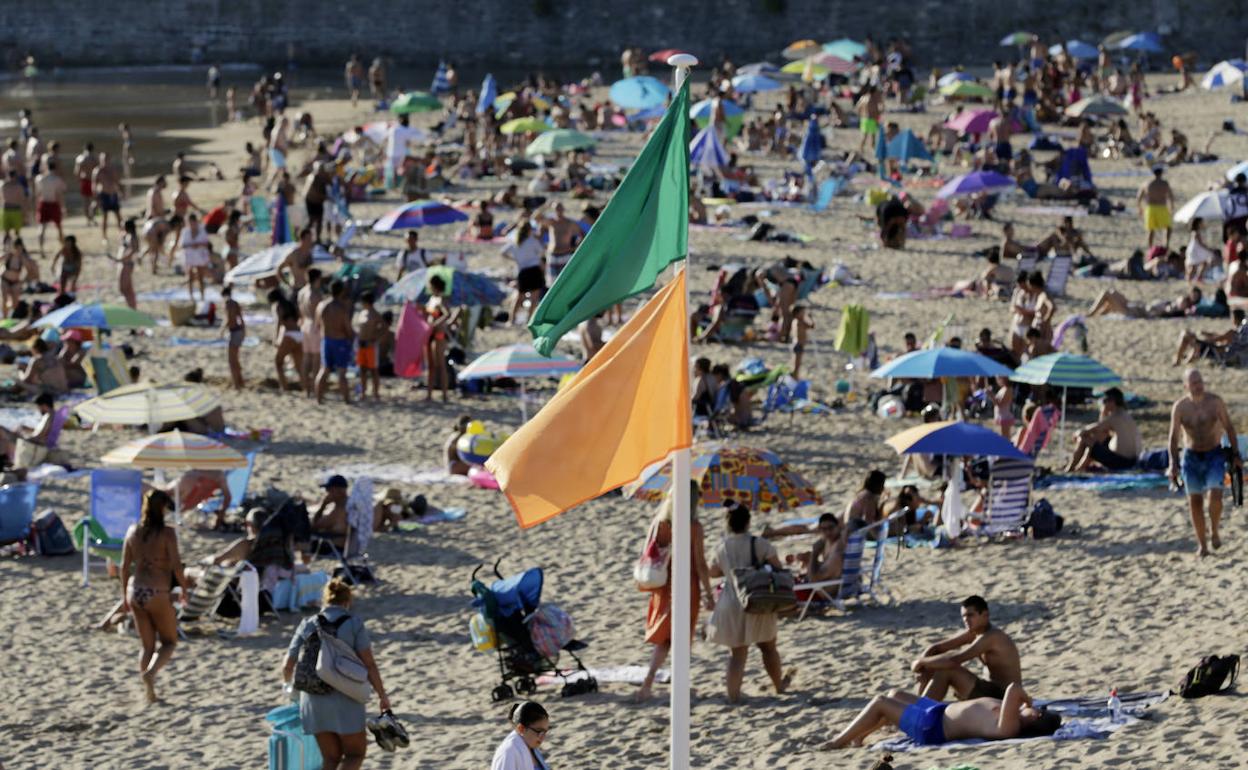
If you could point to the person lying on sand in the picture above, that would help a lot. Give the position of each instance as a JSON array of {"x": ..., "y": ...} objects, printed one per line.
[
  {"x": 1114, "y": 302},
  {"x": 930, "y": 723},
  {"x": 941, "y": 666},
  {"x": 994, "y": 278}
]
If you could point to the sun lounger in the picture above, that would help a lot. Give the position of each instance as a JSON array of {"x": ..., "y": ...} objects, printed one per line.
[
  {"x": 207, "y": 593},
  {"x": 116, "y": 500},
  {"x": 1009, "y": 492},
  {"x": 1059, "y": 275},
  {"x": 17, "y": 512}
]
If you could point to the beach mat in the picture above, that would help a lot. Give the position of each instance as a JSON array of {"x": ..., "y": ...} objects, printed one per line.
[
  {"x": 433, "y": 517},
  {"x": 611, "y": 674},
  {"x": 397, "y": 473},
  {"x": 212, "y": 294},
  {"x": 1105, "y": 482},
  {"x": 216, "y": 342},
  {"x": 1081, "y": 718}
]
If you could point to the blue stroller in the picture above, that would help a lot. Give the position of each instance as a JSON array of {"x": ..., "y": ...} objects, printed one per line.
[{"x": 504, "y": 608}]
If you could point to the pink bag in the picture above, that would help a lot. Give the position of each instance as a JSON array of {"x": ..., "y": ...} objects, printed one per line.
[{"x": 550, "y": 628}]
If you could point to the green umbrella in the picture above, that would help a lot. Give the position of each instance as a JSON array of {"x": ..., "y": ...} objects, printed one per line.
[
  {"x": 966, "y": 89},
  {"x": 1066, "y": 370},
  {"x": 559, "y": 140},
  {"x": 524, "y": 126},
  {"x": 415, "y": 101},
  {"x": 1017, "y": 38}
]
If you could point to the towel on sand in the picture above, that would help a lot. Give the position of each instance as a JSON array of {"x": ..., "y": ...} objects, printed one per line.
[
  {"x": 397, "y": 473},
  {"x": 1104, "y": 481},
  {"x": 617, "y": 674}
]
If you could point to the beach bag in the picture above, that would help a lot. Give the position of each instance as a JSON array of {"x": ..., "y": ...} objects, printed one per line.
[
  {"x": 306, "y": 678},
  {"x": 762, "y": 590},
  {"x": 51, "y": 537},
  {"x": 550, "y": 628},
  {"x": 1043, "y": 522},
  {"x": 1208, "y": 676},
  {"x": 650, "y": 571},
  {"x": 339, "y": 666}
]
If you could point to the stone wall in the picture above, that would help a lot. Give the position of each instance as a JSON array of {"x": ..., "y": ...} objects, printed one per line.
[{"x": 530, "y": 33}]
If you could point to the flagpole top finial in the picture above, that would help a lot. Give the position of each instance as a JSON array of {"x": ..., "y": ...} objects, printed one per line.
[{"x": 683, "y": 60}]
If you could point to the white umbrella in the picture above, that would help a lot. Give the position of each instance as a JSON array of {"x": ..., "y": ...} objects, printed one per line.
[
  {"x": 1236, "y": 170},
  {"x": 264, "y": 264},
  {"x": 1207, "y": 206}
]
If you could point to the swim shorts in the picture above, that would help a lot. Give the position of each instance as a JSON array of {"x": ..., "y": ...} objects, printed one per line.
[
  {"x": 1109, "y": 458},
  {"x": 335, "y": 353},
  {"x": 1004, "y": 151},
  {"x": 1156, "y": 217},
  {"x": 278, "y": 157},
  {"x": 924, "y": 722},
  {"x": 84, "y": 188},
  {"x": 366, "y": 356},
  {"x": 48, "y": 212},
  {"x": 109, "y": 201},
  {"x": 1203, "y": 471},
  {"x": 236, "y": 337},
  {"x": 11, "y": 219},
  {"x": 869, "y": 125}
]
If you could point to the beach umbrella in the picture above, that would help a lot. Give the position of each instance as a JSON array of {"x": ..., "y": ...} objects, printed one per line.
[
  {"x": 639, "y": 93},
  {"x": 976, "y": 182},
  {"x": 265, "y": 263},
  {"x": 503, "y": 101},
  {"x": 1093, "y": 106},
  {"x": 148, "y": 403},
  {"x": 1211, "y": 205},
  {"x": 416, "y": 214},
  {"x": 415, "y": 101},
  {"x": 518, "y": 362},
  {"x": 1236, "y": 170},
  {"x": 1114, "y": 38},
  {"x": 751, "y": 83},
  {"x": 971, "y": 121},
  {"x": 760, "y": 68},
  {"x": 1077, "y": 49},
  {"x": 837, "y": 65},
  {"x": 846, "y": 49},
  {"x": 1145, "y": 42},
  {"x": 806, "y": 68},
  {"x": 905, "y": 147},
  {"x": 1066, "y": 370},
  {"x": 176, "y": 450},
  {"x": 662, "y": 56},
  {"x": 801, "y": 49},
  {"x": 441, "y": 83},
  {"x": 756, "y": 478},
  {"x": 941, "y": 362},
  {"x": 559, "y": 140},
  {"x": 96, "y": 316},
  {"x": 954, "y": 437},
  {"x": 465, "y": 289},
  {"x": 734, "y": 116},
  {"x": 706, "y": 151},
  {"x": 953, "y": 77},
  {"x": 1224, "y": 73},
  {"x": 524, "y": 126},
  {"x": 966, "y": 89},
  {"x": 1018, "y": 39},
  {"x": 489, "y": 92}
]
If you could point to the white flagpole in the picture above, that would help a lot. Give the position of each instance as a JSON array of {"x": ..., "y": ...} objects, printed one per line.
[{"x": 682, "y": 550}]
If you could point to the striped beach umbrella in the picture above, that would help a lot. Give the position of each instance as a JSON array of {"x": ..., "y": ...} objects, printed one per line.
[
  {"x": 95, "y": 316},
  {"x": 517, "y": 361},
  {"x": 1066, "y": 370},
  {"x": 149, "y": 404},
  {"x": 418, "y": 214},
  {"x": 757, "y": 478},
  {"x": 954, "y": 437},
  {"x": 176, "y": 450},
  {"x": 706, "y": 151},
  {"x": 466, "y": 289},
  {"x": 976, "y": 182},
  {"x": 837, "y": 65},
  {"x": 1224, "y": 73},
  {"x": 441, "y": 83},
  {"x": 942, "y": 362}
]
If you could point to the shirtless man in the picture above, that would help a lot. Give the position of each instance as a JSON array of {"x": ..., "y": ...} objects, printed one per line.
[
  {"x": 354, "y": 75},
  {"x": 107, "y": 185},
  {"x": 941, "y": 665},
  {"x": 377, "y": 79},
  {"x": 298, "y": 261},
  {"x": 1064, "y": 241},
  {"x": 279, "y": 140},
  {"x": 14, "y": 160},
  {"x": 999, "y": 132},
  {"x": 84, "y": 167},
  {"x": 1010, "y": 248},
  {"x": 309, "y": 299},
  {"x": 334, "y": 317},
  {"x": 1155, "y": 201},
  {"x": 868, "y": 108},
  {"x": 50, "y": 193},
  {"x": 368, "y": 329},
  {"x": 330, "y": 519},
  {"x": 1114, "y": 441},
  {"x": 564, "y": 236},
  {"x": 34, "y": 152},
  {"x": 1202, "y": 419},
  {"x": 14, "y": 196},
  {"x": 591, "y": 337},
  {"x": 931, "y": 723},
  {"x": 455, "y": 464}
]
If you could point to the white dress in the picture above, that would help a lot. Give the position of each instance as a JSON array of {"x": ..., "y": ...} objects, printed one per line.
[
  {"x": 1198, "y": 253},
  {"x": 196, "y": 249}
]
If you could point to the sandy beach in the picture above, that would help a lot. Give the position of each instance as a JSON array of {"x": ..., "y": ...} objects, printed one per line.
[{"x": 1119, "y": 600}]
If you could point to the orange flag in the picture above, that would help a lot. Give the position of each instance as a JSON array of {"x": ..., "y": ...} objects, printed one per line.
[{"x": 627, "y": 409}]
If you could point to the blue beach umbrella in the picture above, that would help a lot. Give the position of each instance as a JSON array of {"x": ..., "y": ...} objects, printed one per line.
[
  {"x": 489, "y": 92},
  {"x": 845, "y": 49},
  {"x": 752, "y": 83},
  {"x": 975, "y": 182},
  {"x": 1145, "y": 42},
  {"x": 1077, "y": 49},
  {"x": 942, "y": 362},
  {"x": 441, "y": 84},
  {"x": 954, "y": 438},
  {"x": 706, "y": 151},
  {"x": 639, "y": 93},
  {"x": 418, "y": 214}
]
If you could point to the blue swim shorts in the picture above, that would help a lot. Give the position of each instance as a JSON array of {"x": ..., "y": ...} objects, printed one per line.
[
  {"x": 924, "y": 722},
  {"x": 1203, "y": 471},
  {"x": 335, "y": 353}
]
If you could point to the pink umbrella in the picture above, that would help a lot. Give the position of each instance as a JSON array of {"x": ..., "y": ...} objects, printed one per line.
[
  {"x": 835, "y": 64},
  {"x": 976, "y": 122}
]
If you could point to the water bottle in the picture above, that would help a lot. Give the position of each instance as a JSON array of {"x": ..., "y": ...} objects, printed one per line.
[{"x": 1115, "y": 706}]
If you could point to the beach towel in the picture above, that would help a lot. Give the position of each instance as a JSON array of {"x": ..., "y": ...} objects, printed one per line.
[
  {"x": 397, "y": 473},
  {"x": 215, "y": 342},
  {"x": 1105, "y": 482},
  {"x": 615, "y": 674},
  {"x": 360, "y": 513},
  {"x": 851, "y": 337},
  {"x": 1053, "y": 211},
  {"x": 1081, "y": 718},
  {"x": 433, "y": 517},
  {"x": 1036, "y": 435},
  {"x": 919, "y": 295},
  {"x": 409, "y": 343},
  {"x": 181, "y": 294}
]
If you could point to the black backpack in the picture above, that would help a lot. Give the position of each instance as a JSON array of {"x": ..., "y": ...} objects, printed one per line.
[
  {"x": 305, "y": 670},
  {"x": 51, "y": 537},
  {"x": 1043, "y": 522},
  {"x": 1208, "y": 676}
]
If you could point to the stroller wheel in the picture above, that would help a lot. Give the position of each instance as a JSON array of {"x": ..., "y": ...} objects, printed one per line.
[
  {"x": 526, "y": 686},
  {"x": 502, "y": 693},
  {"x": 591, "y": 685}
]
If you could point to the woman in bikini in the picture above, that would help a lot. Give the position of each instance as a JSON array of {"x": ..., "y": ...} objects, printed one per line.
[
  {"x": 11, "y": 279},
  {"x": 288, "y": 339},
  {"x": 151, "y": 549},
  {"x": 127, "y": 253},
  {"x": 442, "y": 319},
  {"x": 70, "y": 259}
]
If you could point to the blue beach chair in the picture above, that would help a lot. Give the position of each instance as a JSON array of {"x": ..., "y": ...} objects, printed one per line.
[
  {"x": 116, "y": 501},
  {"x": 17, "y": 512}
]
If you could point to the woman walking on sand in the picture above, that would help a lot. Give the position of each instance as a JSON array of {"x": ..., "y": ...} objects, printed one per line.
[
  {"x": 151, "y": 549},
  {"x": 730, "y": 624},
  {"x": 659, "y": 613}
]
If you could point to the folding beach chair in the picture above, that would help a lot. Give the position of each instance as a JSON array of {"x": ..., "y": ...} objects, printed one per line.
[
  {"x": 28, "y": 454},
  {"x": 849, "y": 583},
  {"x": 1027, "y": 261},
  {"x": 828, "y": 190},
  {"x": 1009, "y": 492},
  {"x": 713, "y": 425},
  {"x": 207, "y": 593},
  {"x": 17, "y": 513},
  {"x": 106, "y": 369},
  {"x": 236, "y": 480},
  {"x": 1059, "y": 274},
  {"x": 353, "y": 557},
  {"x": 116, "y": 500}
]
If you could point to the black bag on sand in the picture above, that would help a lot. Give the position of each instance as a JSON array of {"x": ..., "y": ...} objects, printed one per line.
[
  {"x": 1044, "y": 522},
  {"x": 762, "y": 590},
  {"x": 1209, "y": 676}
]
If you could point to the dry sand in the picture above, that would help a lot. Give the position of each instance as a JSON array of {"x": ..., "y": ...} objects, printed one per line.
[{"x": 1123, "y": 603}]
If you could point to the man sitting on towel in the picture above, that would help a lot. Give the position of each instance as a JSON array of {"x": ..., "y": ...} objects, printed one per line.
[
  {"x": 929, "y": 722},
  {"x": 1114, "y": 441},
  {"x": 941, "y": 666}
]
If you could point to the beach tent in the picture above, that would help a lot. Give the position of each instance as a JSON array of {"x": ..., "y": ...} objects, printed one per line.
[
  {"x": 707, "y": 152},
  {"x": 1224, "y": 73},
  {"x": 905, "y": 147}
]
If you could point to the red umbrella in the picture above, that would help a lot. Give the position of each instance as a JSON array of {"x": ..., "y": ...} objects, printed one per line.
[
  {"x": 664, "y": 55},
  {"x": 835, "y": 64}
]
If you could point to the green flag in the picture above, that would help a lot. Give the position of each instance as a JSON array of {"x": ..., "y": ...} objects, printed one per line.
[{"x": 643, "y": 229}]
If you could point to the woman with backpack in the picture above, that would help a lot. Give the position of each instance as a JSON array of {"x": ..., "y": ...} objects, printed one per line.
[{"x": 336, "y": 719}]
